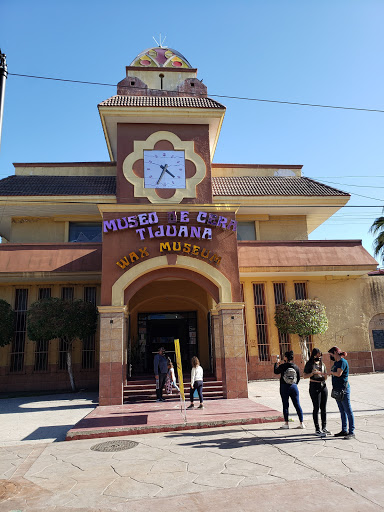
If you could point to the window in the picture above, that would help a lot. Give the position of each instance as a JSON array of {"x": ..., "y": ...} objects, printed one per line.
[
  {"x": 246, "y": 231},
  {"x": 41, "y": 347},
  {"x": 18, "y": 345},
  {"x": 261, "y": 322},
  {"x": 284, "y": 339},
  {"x": 67, "y": 293},
  {"x": 88, "y": 354},
  {"x": 301, "y": 293},
  {"x": 85, "y": 232},
  {"x": 44, "y": 293}
]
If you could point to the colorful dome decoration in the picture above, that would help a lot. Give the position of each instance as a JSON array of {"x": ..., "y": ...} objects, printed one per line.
[{"x": 160, "y": 57}]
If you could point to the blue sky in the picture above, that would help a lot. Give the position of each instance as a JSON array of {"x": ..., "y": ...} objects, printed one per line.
[{"x": 327, "y": 52}]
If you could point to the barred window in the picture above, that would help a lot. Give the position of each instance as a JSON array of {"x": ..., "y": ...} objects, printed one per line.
[
  {"x": 18, "y": 345},
  {"x": 280, "y": 297},
  {"x": 301, "y": 293},
  {"x": 88, "y": 356},
  {"x": 44, "y": 293},
  {"x": 67, "y": 293},
  {"x": 41, "y": 356},
  {"x": 261, "y": 322}
]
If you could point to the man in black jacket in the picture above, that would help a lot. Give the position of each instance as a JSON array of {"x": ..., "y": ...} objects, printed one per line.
[{"x": 160, "y": 366}]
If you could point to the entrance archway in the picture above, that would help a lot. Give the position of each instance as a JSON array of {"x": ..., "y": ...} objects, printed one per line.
[
  {"x": 196, "y": 270},
  {"x": 165, "y": 309}
]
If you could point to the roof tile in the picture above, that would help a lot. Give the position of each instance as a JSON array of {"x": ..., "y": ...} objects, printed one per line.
[
  {"x": 58, "y": 186},
  {"x": 271, "y": 186},
  {"x": 222, "y": 186},
  {"x": 160, "y": 101}
]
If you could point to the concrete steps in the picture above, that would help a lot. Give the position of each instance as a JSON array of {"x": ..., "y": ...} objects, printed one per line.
[{"x": 145, "y": 390}]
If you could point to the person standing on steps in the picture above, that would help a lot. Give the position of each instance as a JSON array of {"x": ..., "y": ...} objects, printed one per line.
[
  {"x": 196, "y": 383},
  {"x": 316, "y": 372},
  {"x": 160, "y": 366},
  {"x": 289, "y": 379}
]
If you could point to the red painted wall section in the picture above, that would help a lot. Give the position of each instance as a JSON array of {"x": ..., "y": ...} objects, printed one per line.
[
  {"x": 122, "y": 243},
  {"x": 128, "y": 133}
]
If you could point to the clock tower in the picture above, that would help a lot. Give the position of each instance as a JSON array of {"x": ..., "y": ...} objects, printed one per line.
[
  {"x": 162, "y": 131},
  {"x": 170, "y": 259}
]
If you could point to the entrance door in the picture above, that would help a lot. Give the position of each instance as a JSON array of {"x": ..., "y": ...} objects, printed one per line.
[{"x": 161, "y": 329}]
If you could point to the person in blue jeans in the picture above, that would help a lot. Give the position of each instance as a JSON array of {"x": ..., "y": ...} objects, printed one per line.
[
  {"x": 340, "y": 373},
  {"x": 289, "y": 378}
]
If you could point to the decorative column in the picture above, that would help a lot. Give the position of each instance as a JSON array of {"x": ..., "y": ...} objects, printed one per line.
[
  {"x": 113, "y": 336},
  {"x": 216, "y": 346},
  {"x": 233, "y": 357}
]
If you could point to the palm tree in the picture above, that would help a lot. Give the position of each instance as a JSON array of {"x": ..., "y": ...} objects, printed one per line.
[{"x": 377, "y": 228}]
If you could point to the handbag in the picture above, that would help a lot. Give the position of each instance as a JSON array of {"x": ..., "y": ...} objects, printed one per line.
[{"x": 339, "y": 394}]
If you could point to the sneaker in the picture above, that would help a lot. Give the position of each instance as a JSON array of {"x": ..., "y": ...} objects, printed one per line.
[
  {"x": 283, "y": 427},
  {"x": 192, "y": 406},
  {"x": 301, "y": 426},
  {"x": 327, "y": 432},
  {"x": 341, "y": 434},
  {"x": 158, "y": 400},
  {"x": 319, "y": 433},
  {"x": 201, "y": 406},
  {"x": 350, "y": 436},
  {"x": 162, "y": 399}
]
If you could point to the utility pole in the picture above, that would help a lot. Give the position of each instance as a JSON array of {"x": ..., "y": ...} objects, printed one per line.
[{"x": 3, "y": 78}]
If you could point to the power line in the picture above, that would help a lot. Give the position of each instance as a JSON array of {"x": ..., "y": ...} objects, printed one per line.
[
  {"x": 244, "y": 98},
  {"x": 349, "y": 185}
]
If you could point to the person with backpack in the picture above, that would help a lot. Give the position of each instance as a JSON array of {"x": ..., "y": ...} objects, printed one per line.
[
  {"x": 316, "y": 372},
  {"x": 289, "y": 379}
]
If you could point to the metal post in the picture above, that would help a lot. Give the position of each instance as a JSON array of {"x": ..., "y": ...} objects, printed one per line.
[{"x": 3, "y": 78}]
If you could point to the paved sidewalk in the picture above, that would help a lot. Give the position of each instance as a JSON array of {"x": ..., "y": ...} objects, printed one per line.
[
  {"x": 240, "y": 468},
  {"x": 151, "y": 417}
]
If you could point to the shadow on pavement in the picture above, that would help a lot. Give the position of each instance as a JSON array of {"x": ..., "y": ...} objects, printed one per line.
[{"x": 56, "y": 432}]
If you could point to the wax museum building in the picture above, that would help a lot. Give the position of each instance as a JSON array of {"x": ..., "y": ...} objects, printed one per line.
[{"x": 170, "y": 245}]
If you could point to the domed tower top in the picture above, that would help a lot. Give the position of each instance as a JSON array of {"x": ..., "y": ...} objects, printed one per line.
[{"x": 161, "y": 57}]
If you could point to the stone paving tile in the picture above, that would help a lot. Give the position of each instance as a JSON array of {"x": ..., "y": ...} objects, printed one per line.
[
  {"x": 260, "y": 480},
  {"x": 138, "y": 466},
  {"x": 325, "y": 466},
  {"x": 294, "y": 470},
  {"x": 245, "y": 468},
  {"x": 127, "y": 487},
  {"x": 177, "y": 489},
  {"x": 370, "y": 486},
  {"x": 219, "y": 480}
]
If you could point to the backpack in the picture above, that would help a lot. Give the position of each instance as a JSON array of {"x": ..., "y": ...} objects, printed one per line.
[{"x": 290, "y": 376}]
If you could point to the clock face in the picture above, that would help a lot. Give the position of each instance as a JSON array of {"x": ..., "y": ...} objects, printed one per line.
[{"x": 164, "y": 169}]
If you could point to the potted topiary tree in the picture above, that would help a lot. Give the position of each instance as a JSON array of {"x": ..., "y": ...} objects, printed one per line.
[
  {"x": 302, "y": 317},
  {"x": 58, "y": 318}
]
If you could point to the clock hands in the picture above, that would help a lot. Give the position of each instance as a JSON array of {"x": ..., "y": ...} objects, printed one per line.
[{"x": 164, "y": 167}]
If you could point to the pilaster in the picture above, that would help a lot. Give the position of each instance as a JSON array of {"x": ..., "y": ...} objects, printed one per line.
[
  {"x": 113, "y": 336},
  {"x": 232, "y": 344}
]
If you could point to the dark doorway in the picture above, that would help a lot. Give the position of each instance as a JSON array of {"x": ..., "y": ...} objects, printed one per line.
[{"x": 161, "y": 329}]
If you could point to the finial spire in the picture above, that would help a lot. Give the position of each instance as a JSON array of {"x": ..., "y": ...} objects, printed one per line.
[{"x": 160, "y": 43}]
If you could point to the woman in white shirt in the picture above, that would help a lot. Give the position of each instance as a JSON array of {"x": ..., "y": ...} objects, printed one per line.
[{"x": 196, "y": 382}]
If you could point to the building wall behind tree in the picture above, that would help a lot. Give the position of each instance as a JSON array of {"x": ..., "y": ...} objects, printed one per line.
[
  {"x": 40, "y": 371},
  {"x": 351, "y": 302}
]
